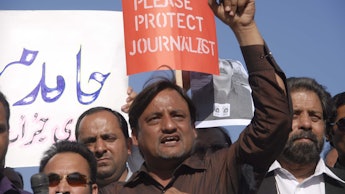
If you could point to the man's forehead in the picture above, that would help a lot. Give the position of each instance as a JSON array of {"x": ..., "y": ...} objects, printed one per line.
[
  {"x": 167, "y": 99},
  {"x": 70, "y": 159},
  {"x": 305, "y": 98}
]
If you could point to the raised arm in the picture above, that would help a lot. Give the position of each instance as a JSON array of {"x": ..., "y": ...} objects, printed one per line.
[
  {"x": 264, "y": 138},
  {"x": 239, "y": 16}
]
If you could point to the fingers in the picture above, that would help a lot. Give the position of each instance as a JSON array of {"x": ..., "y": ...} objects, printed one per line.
[
  {"x": 234, "y": 6},
  {"x": 230, "y": 7},
  {"x": 125, "y": 108},
  {"x": 129, "y": 90},
  {"x": 131, "y": 96}
]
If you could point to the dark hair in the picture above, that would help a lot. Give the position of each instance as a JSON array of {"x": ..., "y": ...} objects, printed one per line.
[
  {"x": 74, "y": 147},
  {"x": 309, "y": 84},
  {"x": 339, "y": 99},
  {"x": 206, "y": 138},
  {"x": 143, "y": 99},
  {"x": 122, "y": 121},
  {"x": 6, "y": 105}
]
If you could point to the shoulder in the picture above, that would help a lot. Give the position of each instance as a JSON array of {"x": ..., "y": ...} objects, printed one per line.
[
  {"x": 113, "y": 187},
  {"x": 7, "y": 187}
]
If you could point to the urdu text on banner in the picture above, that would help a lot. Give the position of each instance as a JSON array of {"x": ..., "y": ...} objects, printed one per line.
[{"x": 53, "y": 66}]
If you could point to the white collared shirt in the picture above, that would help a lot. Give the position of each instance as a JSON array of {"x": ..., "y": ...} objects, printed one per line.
[
  {"x": 286, "y": 183},
  {"x": 129, "y": 172}
]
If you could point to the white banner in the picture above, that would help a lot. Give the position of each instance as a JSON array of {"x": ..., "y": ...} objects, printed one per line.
[{"x": 53, "y": 66}]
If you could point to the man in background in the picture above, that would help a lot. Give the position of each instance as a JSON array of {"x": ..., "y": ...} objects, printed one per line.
[
  {"x": 70, "y": 168},
  {"x": 299, "y": 168},
  {"x": 105, "y": 133},
  {"x": 336, "y": 133},
  {"x": 6, "y": 186}
]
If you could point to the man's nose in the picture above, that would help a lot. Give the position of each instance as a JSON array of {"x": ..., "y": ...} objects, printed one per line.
[
  {"x": 100, "y": 147},
  {"x": 305, "y": 122},
  {"x": 168, "y": 124},
  {"x": 63, "y": 187}
]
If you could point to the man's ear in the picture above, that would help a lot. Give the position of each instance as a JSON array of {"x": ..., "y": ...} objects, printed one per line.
[
  {"x": 134, "y": 138},
  {"x": 129, "y": 145},
  {"x": 329, "y": 132},
  {"x": 94, "y": 188}
]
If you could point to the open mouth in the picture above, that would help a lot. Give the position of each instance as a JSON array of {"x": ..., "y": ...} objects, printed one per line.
[{"x": 170, "y": 139}]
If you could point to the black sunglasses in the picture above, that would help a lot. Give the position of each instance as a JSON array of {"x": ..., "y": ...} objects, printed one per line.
[
  {"x": 340, "y": 123},
  {"x": 74, "y": 179}
]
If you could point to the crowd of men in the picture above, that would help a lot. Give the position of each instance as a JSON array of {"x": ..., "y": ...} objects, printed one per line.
[{"x": 278, "y": 152}]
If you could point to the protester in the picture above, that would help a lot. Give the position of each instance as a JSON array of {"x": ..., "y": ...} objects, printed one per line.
[
  {"x": 162, "y": 120},
  {"x": 299, "y": 169},
  {"x": 337, "y": 132},
  {"x": 70, "y": 167},
  {"x": 6, "y": 186},
  {"x": 105, "y": 132}
]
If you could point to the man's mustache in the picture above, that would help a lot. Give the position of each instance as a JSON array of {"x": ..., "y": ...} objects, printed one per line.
[{"x": 304, "y": 135}]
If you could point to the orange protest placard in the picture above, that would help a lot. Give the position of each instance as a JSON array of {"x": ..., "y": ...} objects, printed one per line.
[{"x": 180, "y": 34}]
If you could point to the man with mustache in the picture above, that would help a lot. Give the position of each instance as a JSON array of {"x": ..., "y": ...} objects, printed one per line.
[
  {"x": 70, "y": 167},
  {"x": 162, "y": 119},
  {"x": 105, "y": 132},
  {"x": 299, "y": 169}
]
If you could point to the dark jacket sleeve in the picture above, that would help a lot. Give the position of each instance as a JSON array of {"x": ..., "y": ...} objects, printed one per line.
[{"x": 263, "y": 139}]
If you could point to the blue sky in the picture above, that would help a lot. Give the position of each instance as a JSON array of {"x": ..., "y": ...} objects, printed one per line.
[{"x": 306, "y": 37}]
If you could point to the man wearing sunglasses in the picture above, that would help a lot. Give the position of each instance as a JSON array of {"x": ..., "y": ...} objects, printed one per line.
[
  {"x": 299, "y": 168},
  {"x": 337, "y": 132},
  {"x": 71, "y": 168}
]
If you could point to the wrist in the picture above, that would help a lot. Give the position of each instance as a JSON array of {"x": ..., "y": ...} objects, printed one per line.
[{"x": 248, "y": 35}]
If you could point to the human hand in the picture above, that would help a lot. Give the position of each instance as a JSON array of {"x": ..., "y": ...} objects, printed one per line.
[
  {"x": 235, "y": 13},
  {"x": 131, "y": 96},
  {"x": 239, "y": 16}
]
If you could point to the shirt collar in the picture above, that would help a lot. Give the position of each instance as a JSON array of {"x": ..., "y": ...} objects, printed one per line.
[
  {"x": 194, "y": 162},
  {"x": 321, "y": 168},
  {"x": 129, "y": 172}
]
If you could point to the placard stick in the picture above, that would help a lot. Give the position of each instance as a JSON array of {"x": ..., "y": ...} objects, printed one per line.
[{"x": 179, "y": 79}]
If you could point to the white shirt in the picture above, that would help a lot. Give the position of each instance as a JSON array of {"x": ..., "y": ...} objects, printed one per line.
[
  {"x": 286, "y": 183},
  {"x": 129, "y": 173}
]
